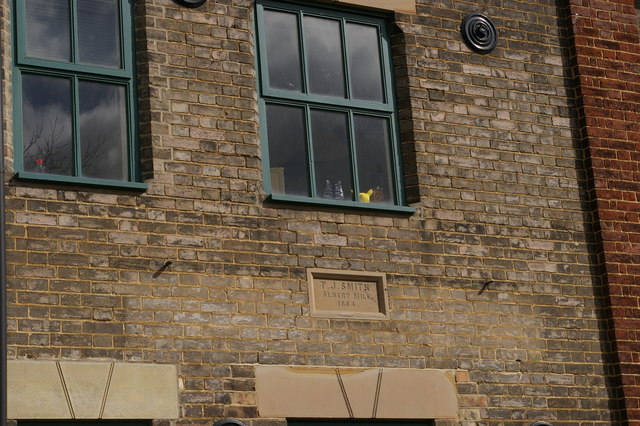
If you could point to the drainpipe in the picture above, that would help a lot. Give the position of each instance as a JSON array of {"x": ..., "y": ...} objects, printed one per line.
[
  {"x": 3, "y": 277},
  {"x": 3, "y": 283},
  {"x": 3, "y": 264}
]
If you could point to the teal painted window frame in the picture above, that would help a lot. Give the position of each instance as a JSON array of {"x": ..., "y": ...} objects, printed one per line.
[
  {"x": 360, "y": 422},
  {"x": 75, "y": 72},
  {"x": 307, "y": 101},
  {"x": 84, "y": 423}
]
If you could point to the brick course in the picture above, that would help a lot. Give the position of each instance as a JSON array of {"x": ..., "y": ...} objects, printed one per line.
[
  {"x": 606, "y": 57},
  {"x": 495, "y": 275}
]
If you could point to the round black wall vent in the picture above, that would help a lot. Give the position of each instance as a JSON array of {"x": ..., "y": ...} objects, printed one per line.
[
  {"x": 191, "y": 3},
  {"x": 228, "y": 422},
  {"x": 479, "y": 33}
]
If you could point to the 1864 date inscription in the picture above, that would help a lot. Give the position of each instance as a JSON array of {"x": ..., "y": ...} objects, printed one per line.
[
  {"x": 356, "y": 295},
  {"x": 351, "y": 295}
]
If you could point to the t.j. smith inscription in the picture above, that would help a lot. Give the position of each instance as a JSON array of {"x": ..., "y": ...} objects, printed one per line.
[{"x": 350, "y": 296}]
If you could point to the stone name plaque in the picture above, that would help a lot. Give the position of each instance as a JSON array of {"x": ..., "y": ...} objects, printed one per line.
[{"x": 340, "y": 294}]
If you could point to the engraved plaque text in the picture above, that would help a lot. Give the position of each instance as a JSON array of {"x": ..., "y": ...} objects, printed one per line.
[{"x": 340, "y": 294}]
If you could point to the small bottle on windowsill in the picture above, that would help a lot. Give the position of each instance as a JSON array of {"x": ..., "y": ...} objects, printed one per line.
[
  {"x": 328, "y": 189},
  {"x": 339, "y": 192},
  {"x": 40, "y": 165}
]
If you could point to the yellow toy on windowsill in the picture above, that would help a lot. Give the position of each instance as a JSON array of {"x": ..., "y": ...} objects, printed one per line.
[
  {"x": 365, "y": 197},
  {"x": 372, "y": 196}
]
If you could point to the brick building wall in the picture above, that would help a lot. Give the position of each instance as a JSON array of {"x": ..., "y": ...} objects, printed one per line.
[
  {"x": 495, "y": 276},
  {"x": 606, "y": 56}
]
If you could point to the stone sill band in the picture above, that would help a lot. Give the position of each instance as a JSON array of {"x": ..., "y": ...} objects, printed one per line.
[{"x": 406, "y": 6}]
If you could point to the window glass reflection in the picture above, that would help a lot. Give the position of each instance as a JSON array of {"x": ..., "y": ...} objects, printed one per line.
[
  {"x": 373, "y": 155},
  {"x": 46, "y": 124},
  {"x": 331, "y": 155},
  {"x": 48, "y": 29},
  {"x": 283, "y": 50},
  {"x": 364, "y": 62},
  {"x": 99, "y": 33},
  {"x": 103, "y": 131},
  {"x": 287, "y": 150},
  {"x": 324, "y": 56}
]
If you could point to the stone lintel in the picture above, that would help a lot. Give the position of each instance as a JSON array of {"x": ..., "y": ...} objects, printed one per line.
[
  {"x": 360, "y": 393},
  {"x": 91, "y": 390},
  {"x": 406, "y": 6}
]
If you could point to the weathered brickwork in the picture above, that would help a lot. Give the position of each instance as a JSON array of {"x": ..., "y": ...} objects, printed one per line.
[
  {"x": 607, "y": 58},
  {"x": 496, "y": 275}
]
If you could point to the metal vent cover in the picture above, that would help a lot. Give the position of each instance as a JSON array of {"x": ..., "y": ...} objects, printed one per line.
[{"x": 479, "y": 33}]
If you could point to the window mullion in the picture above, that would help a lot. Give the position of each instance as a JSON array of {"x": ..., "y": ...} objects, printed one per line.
[
  {"x": 262, "y": 50},
  {"x": 354, "y": 165},
  {"x": 18, "y": 106},
  {"x": 345, "y": 58},
  {"x": 124, "y": 40},
  {"x": 396, "y": 160},
  {"x": 132, "y": 130},
  {"x": 21, "y": 32},
  {"x": 74, "y": 31},
  {"x": 303, "y": 53},
  {"x": 328, "y": 101},
  {"x": 311, "y": 169},
  {"x": 75, "y": 123},
  {"x": 386, "y": 65}
]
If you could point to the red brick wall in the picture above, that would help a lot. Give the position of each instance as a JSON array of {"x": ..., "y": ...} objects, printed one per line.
[{"x": 607, "y": 66}]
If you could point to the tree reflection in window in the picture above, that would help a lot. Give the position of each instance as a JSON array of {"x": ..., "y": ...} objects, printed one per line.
[
  {"x": 47, "y": 128},
  {"x": 103, "y": 131},
  {"x": 74, "y": 68},
  {"x": 327, "y": 105}
]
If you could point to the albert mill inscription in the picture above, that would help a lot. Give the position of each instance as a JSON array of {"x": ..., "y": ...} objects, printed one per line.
[{"x": 347, "y": 295}]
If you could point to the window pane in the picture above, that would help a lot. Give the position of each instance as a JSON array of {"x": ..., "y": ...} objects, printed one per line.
[
  {"x": 283, "y": 50},
  {"x": 331, "y": 154},
  {"x": 364, "y": 62},
  {"x": 374, "y": 158},
  {"x": 103, "y": 131},
  {"x": 99, "y": 32},
  {"x": 48, "y": 29},
  {"x": 46, "y": 124},
  {"x": 287, "y": 150},
  {"x": 324, "y": 56}
]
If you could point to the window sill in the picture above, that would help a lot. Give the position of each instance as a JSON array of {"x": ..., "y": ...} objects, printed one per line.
[
  {"x": 408, "y": 6},
  {"x": 80, "y": 181},
  {"x": 353, "y": 205}
]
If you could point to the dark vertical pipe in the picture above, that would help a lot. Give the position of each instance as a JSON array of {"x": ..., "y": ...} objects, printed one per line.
[
  {"x": 3, "y": 276},
  {"x": 3, "y": 259}
]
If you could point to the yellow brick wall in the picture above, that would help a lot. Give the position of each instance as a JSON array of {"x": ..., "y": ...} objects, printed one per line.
[{"x": 491, "y": 277}]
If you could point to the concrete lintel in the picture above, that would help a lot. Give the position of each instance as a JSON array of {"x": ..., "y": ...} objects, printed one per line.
[
  {"x": 361, "y": 393},
  {"x": 406, "y": 6},
  {"x": 91, "y": 390}
]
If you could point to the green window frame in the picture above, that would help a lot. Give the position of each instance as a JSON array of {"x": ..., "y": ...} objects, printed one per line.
[
  {"x": 327, "y": 107},
  {"x": 360, "y": 422},
  {"x": 84, "y": 423},
  {"x": 74, "y": 92}
]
